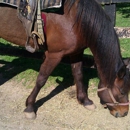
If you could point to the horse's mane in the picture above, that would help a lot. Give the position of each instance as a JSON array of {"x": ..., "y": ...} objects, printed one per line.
[
  {"x": 88, "y": 18},
  {"x": 97, "y": 30}
]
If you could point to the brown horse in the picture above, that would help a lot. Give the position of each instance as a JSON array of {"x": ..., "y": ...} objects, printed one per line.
[{"x": 78, "y": 25}]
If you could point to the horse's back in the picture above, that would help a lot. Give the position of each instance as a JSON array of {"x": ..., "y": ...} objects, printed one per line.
[{"x": 11, "y": 28}]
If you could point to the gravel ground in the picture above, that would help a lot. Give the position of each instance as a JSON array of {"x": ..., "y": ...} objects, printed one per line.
[{"x": 60, "y": 112}]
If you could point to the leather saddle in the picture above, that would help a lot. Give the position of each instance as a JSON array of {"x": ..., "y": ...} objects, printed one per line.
[{"x": 29, "y": 12}]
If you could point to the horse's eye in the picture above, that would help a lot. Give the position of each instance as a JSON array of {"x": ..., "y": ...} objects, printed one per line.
[{"x": 122, "y": 93}]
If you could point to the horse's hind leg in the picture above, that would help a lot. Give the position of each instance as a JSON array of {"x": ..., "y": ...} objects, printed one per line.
[
  {"x": 51, "y": 61},
  {"x": 82, "y": 95}
]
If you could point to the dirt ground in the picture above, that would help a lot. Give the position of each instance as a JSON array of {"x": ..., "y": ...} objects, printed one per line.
[{"x": 59, "y": 112}]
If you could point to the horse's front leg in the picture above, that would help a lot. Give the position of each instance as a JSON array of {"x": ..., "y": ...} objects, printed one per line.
[
  {"x": 45, "y": 70},
  {"x": 82, "y": 95}
]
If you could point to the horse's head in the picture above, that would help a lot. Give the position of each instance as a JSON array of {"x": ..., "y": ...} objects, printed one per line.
[{"x": 115, "y": 97}]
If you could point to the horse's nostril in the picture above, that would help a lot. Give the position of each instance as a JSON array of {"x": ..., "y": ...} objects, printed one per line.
[
  {"x": 116, "y": 115},
  {"x": 125, "y": 114}
]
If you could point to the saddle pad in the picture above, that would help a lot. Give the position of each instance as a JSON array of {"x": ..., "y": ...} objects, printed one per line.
[
  {"x": 47, "y": 4},
  {"x": 44, "y": 4},
  {"x": 10, "y": 2}
]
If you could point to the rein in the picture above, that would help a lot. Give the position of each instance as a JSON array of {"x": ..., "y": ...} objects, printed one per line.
[{"x": 115, "y": 103}]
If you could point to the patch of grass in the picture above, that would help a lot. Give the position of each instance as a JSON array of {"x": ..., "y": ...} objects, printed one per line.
[
  {"x": 8, "y": 44},
  {"x": 19, "y": 68},
  {"x": 123, "y": 15},
  {"x": 125, "y": 47},
  {"x": 25, "y": 70}
]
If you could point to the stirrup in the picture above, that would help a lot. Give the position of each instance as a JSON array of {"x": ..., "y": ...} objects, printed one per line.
[
  {"x": 26, "y": 13},
  {"x": 28, "y": 47}
]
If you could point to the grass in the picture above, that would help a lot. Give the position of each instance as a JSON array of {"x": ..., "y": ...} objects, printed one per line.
[
  {"x": 25, "y": 70},
  {"x": 125, "y": 47},
  {"x": 123, "y": 15}
]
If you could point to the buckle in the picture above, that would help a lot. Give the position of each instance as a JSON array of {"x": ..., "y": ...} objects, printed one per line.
[{"x": 116, "y": 103}]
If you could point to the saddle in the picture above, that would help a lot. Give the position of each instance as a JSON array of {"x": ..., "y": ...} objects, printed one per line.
[{"x": 29, "y": 12}]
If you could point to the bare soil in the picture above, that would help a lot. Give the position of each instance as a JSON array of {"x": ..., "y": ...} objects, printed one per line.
[{"x": 59, "y": 112}]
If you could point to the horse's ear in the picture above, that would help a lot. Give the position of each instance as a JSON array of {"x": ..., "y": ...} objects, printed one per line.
[{"x": 121, "y": 72}]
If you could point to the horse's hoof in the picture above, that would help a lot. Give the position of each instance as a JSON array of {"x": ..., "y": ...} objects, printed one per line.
[
  {"x": 104, "y": 106},
  {"x": 90, "y": 107},
  {"x": 30, "y": 115}
]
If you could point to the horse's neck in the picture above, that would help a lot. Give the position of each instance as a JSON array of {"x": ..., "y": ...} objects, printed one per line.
[
  {"x": 108, "y": 70},
  {"x": 107, "y": 56}
]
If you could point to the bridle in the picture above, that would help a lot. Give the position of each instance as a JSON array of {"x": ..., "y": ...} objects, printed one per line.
[{"x": 115, "y": 103}]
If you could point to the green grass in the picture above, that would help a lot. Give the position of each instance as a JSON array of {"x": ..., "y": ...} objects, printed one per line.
[
  {"x": 123, "y": 15},
  {"x": 25, "y": 71},
  {"x": 125, "y": 47},
  {"x": 18, "y": 68}
]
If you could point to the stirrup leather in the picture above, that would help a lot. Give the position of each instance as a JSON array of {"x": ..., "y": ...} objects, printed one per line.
[{"x": 27, "y": 14}]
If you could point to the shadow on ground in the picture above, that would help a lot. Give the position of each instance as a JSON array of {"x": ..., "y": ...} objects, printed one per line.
[{"x": 27, "y": 60}]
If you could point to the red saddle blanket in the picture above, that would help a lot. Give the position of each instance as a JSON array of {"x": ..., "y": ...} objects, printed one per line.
[{"x": 44, "y": 19}]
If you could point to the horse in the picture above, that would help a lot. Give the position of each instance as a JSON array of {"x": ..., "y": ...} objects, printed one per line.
[{"x": 79, "y": 24}]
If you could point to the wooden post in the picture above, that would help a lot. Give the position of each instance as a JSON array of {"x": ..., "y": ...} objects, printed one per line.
[{"x": 110, "y": 10}]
